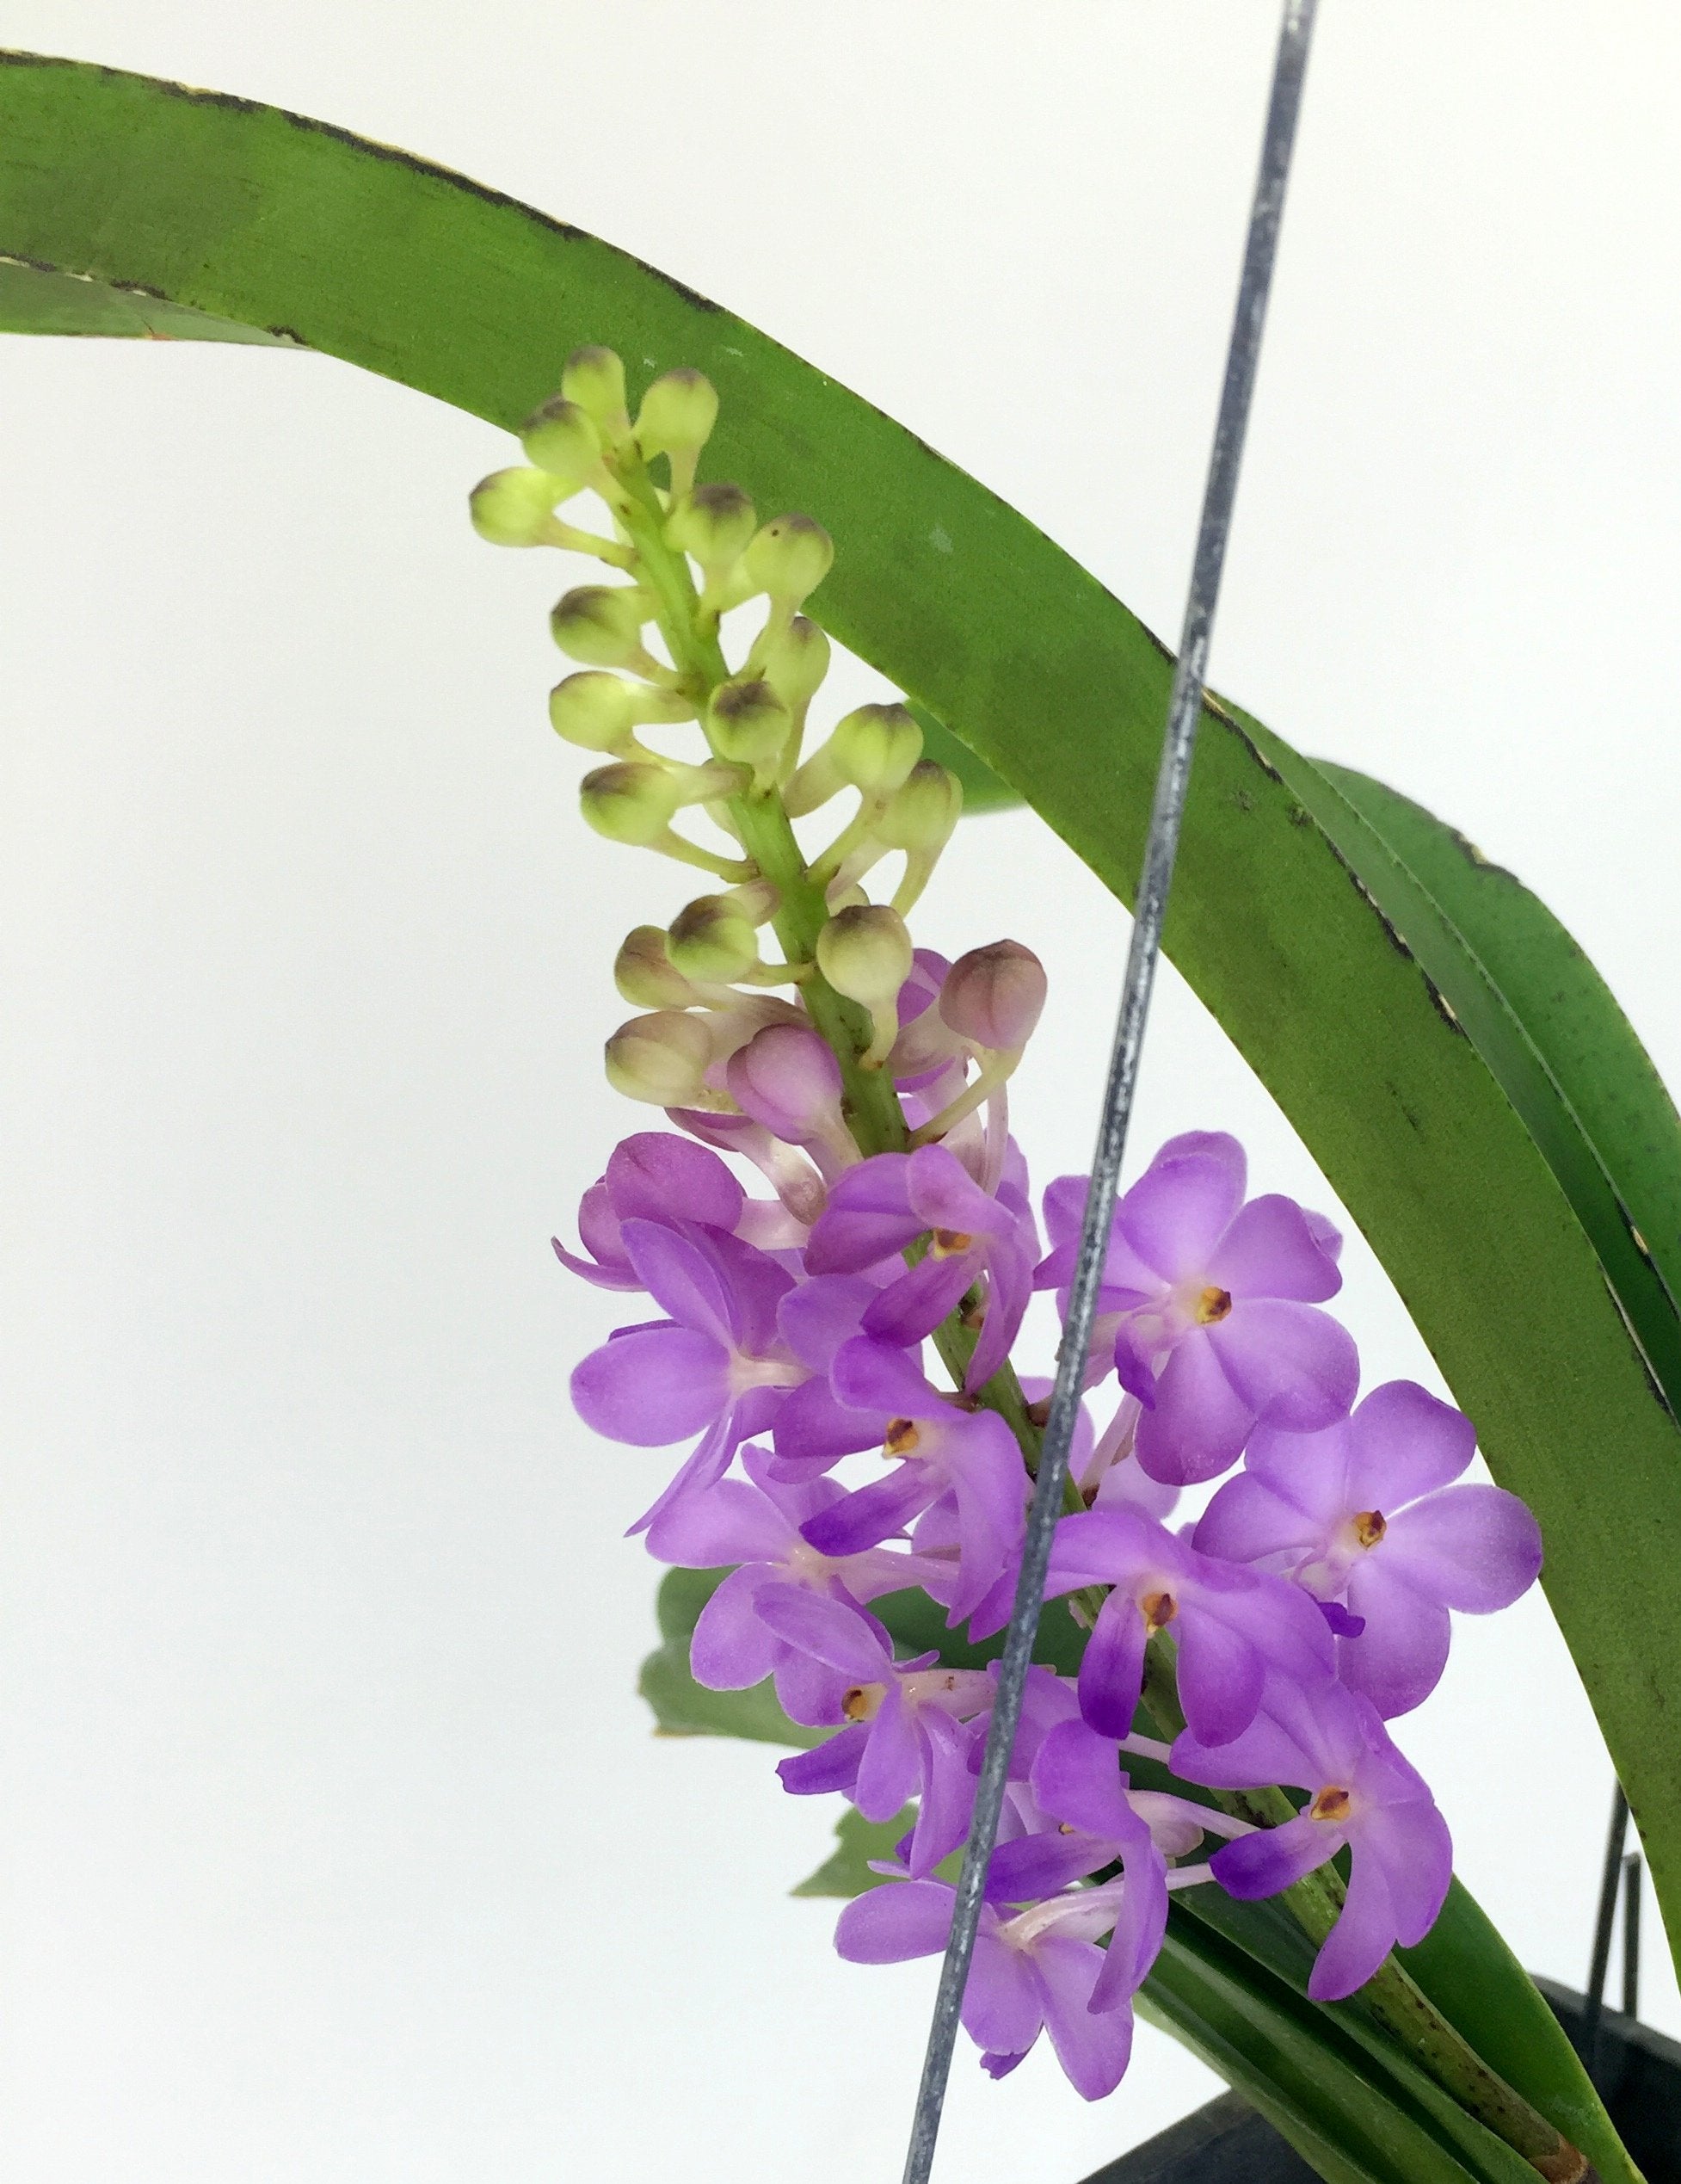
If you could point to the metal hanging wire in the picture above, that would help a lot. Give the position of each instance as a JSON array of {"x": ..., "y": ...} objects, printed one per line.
[{"x": 1184, "y": 710}]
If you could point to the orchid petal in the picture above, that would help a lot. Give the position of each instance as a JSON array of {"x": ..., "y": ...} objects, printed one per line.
[
  {"x": 1274, "y": 1858},
  {"x": 652, "y": 1385},
  {"x": 1405, "y": 1443},
  {"x": 1398, "y": 1659},
  {"x": 731, "y": 1648},
  {"x": 1475, "y": 1547},
  {"x": 1294, "y": 1365},
  {"x": 1220, "y": 1678},
  {"x": 894, "y": 1922},
  {"x": 1270, "y": 1250},
  {"x": 1111, "y": 1668},
  {"x": 1177, "y": 1211},
  {"x": 1198, "y": 1423},
  {"x": 1093, "y": 2048},
  {"x": 656, "y": 1177},
  {"x": 1362, "y": 1937},
  {"x": 1247, "y": 1522}
]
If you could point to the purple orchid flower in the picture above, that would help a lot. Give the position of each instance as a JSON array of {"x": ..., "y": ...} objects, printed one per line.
[
  {"x": 717, "y": 1366},
  {"x": 883, "y": 1205},
  {"x": 970, "y": 1455},
  {"x": 1365, "y": 1516},
  {"x": 904, "y": 1737},
  {"x": 1331, "y": 1743},
  {"x": 1077, "y": 1780},
  {"x": 1035, "y": 1970},
  {"x": 1232, "y": 1626},
  {"x": 754, "y": 1523},
  {"x": 651, "y": 1176},
  {"x": 1212, "y": 1303}
]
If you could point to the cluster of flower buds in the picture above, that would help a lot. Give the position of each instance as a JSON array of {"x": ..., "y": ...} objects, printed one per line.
[
  {"x": 1255, "y": 1648},
  {"x": 650, "y": 657}
]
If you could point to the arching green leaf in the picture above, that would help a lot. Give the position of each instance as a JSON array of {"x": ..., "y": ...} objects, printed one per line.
[{"x": 1386, "y": 1002}]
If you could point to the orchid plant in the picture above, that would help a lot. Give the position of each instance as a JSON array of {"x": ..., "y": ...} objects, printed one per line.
[{"x": 831, "y": 1242}]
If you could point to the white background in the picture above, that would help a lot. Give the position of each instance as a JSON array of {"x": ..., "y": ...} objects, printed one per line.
[{"x": 333, "y": 1841}]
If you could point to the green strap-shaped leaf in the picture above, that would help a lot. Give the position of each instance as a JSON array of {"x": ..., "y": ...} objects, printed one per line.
[
  {"x": 1349, "y": 2112},
  {"x": 129, "y": 206}
]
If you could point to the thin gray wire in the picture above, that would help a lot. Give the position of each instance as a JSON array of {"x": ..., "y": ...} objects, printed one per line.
[{"x": 1184, "y": 709}]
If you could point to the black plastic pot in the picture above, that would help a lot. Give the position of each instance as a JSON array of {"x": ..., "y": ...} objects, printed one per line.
[{"x": 1227, "y": 2143}]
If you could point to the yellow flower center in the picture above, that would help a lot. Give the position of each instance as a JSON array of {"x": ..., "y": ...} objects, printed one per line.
[
  {"x": 1332, "y": 1804},
  {"x": 950, "y": 1241},
  {"x": 861, "y": 1702},
  {"x": 1213, "y": 1305},
  {"x": 902, "y": 1437},
  {"x": 1369, "y": 1527},
  {"x": 1158, "y": 1610}
]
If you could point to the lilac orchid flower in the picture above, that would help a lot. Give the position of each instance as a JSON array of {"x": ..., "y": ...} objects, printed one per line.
[
  {"x": 878, "y": 1208},
  {"x": 1213, "y": 1303},
  {"x": 754, "y": 1523},
  {"x": 1365, "y": 1516},
  {"x": 942, "y": 1449},
  {"x": 1362, "y": 1794},
  {"x": 717, "y": 1366},
  {"x": 1234, "y": 1626},
  {"x": 904, "y": 1737},
  {"x": 1035, "y": 1968},
  {"x": 651, "y": 1176}
]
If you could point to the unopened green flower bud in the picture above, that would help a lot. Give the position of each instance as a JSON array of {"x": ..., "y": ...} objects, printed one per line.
[
  {"x": 746, "y": 723},
  {"x": 596, "y": 710},
  {"x": 600, "y": 625},
  {"x": 715, "y": 524},
  {"x": 795, "y": 662},
  {"x": 676, "y": 418},
  {"x": 594, "y": 378},
  {"x": 788, "y": 557},
  {"x": 560, "y": 437},
  {"x": 872, "y": 748},
  {"x": 645, "y": 975},
  {"x": 663, "y": 1059},
  {"x": 865, "y": 954},
  {"x": 633, "y": 802},
  {"x": 922, "y": 811},
  {"x": 712, "y": 941},
  {"x": 516, "y": 508},
  {"x": 920, "y": 818}
]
